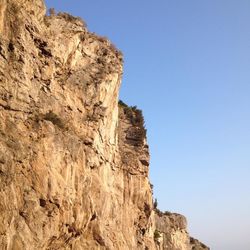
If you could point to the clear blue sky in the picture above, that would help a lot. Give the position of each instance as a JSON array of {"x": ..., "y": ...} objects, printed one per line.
[{"x": 187, "y": 65}]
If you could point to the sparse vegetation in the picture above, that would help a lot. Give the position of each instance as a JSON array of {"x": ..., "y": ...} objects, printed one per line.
[
  {"x": 155, "y": 203},
  {"x": 160, "y": 213},
  {"x": 50, "y": 116},
  {"x": 167, "y": 213},
  {"x": 134, "y": 114},
  {"x": 122, "y": 104},
  {"x": 157, "y": 235},
  {"x": 137, "y": 132},
  {"x": 52, "y": 12},
  {"x": 71, "y": 18},
  {"x": 102, "y": 39}
]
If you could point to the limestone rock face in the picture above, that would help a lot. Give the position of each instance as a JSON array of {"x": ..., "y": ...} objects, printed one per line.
[
  {"x": 197, "y": 245},
  {"x": 171, "y": 233},
  {"x": 171, "y": 229},
  {"x": 73, "y": 163}
]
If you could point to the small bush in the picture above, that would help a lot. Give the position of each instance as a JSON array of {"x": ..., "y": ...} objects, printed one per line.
[
  {"x": 157, "y": 235},
  {"x": 155, "y": 204},
  {"x": 135, "y": 116},
  {"x": 167, "y": 213},
  {"x": 52, "y": 12},
  {"x": 122, "y": 104}
]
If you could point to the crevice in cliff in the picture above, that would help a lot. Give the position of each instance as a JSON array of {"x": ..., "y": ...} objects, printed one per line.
[{"x": 7, "y": 107}]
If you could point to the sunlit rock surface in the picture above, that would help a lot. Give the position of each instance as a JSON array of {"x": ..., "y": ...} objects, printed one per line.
[{"x": 73, "y": 163}]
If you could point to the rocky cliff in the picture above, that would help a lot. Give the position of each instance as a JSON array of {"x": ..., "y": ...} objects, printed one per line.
[
  {"x": 171, "y": 233},
  {"x": 73, "y": 163}
]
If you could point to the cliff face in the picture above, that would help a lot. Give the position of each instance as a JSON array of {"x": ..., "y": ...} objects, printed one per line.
[
  {"x": 73, "y": 163},
  {"x": 171, "y": 233}
]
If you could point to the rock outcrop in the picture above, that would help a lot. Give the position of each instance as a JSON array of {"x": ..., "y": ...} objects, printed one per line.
[
  {"x": 73, "y": 163},
  {"x": 171, "y": 232}
]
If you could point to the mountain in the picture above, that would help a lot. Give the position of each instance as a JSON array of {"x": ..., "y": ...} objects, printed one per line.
[{"x": 74, "y": 161}]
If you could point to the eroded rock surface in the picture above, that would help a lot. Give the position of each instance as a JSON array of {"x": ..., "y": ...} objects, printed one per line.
[
  {"x": 171, "y": 233},
  {"x": 73, "y": 164}
]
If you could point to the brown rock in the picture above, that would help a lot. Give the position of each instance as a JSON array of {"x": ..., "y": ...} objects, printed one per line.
[{"x": 73, "y": 166}]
